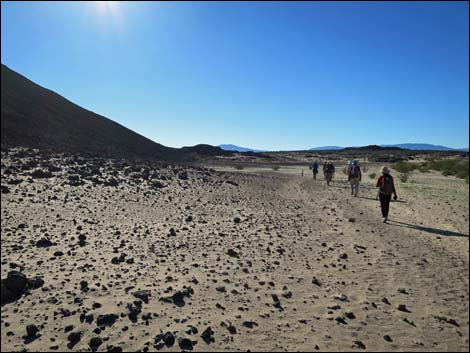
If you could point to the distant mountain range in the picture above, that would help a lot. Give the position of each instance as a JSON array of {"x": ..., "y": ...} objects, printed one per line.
[
  {"x": 408, "y": 146},
  {"x": 425, "y": 147},
  {"x": 326, "y": 148},
  {"x": 405, "y": 146},
  {"x": 228, "y": 147}
]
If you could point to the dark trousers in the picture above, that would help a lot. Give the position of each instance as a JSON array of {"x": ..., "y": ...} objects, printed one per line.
[{"x": 385, "y": 203}]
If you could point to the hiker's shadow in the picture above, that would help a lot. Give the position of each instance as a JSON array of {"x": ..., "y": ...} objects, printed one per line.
[
  {"x": 369, "y": 198},
  {"x": 376, "y": 199},
  {"x": 445, "y": 233}
]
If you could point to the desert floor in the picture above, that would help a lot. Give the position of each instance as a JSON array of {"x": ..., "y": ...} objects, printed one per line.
[{"x": 269, "y": 260}]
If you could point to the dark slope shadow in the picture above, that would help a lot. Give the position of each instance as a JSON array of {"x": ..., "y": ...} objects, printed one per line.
[{"x": 445, "y": 233}]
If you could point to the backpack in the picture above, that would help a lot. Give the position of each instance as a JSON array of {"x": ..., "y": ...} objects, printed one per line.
[
  {"x": 329, "y": 168},
  {"x": 354, "y": 171},
  {"x": 315, "y": 166},
  {"x": 387, "y": 185}
]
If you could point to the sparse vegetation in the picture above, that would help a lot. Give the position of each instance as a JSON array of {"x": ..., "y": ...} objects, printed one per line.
[
  {"x": 405, "y": 167},
  {"x": 372, "y": 175},
  {"x": 275, "y": 167},
  {"x": 238, "y": 166},
  {"x": 403, "y": 177},
  {"x": 424, "y": 168},
  {"x": 456, "y": 167}
]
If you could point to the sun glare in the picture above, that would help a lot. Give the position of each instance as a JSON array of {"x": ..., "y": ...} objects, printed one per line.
[
  {"x": 109, "y": 11},
  {"x": 106, "y": 4}
]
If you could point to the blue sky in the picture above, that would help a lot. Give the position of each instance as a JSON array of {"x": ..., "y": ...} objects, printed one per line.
[{"x": 268, "y": 75}]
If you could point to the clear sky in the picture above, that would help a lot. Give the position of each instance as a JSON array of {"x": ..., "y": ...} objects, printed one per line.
[{"x": 269, "y": 75}]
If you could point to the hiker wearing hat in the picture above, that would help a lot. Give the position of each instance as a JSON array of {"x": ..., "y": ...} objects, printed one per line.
[
  {"x": 386, "y": 189},
  {"x": 354, "y": 177}
]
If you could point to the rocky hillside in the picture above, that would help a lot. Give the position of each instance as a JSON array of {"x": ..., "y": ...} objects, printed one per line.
[{"x": 33, "y": 116}]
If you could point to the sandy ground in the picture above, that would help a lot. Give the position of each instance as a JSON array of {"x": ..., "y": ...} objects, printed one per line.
[{"x": 269, "y": 260}]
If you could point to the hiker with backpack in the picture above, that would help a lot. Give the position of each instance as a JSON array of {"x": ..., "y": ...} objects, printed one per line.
[
  {"x": 328, "y": 171},
  {"x": 386, "y": 189},
  {"x": 315, "y": 170},
  {"x": 354, "y": 177}
]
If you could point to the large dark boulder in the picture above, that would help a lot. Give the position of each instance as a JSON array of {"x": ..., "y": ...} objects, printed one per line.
[{"x": 16, "y": 285}]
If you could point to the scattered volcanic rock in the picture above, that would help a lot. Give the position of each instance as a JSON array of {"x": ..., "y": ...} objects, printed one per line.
[
  {"x": 186, "y": 344},
  {"x": 95, "y": 343},
  {"x": 73, "y": 339},
  {"x": 41, "y": 174},
  {"x": 106, "y": 320},
  {"x": 31, "y": 332},
  {"x": 142, "y": 295},
  {"x": 43, "y": 243},
  {"x": 208, "y": 335}
]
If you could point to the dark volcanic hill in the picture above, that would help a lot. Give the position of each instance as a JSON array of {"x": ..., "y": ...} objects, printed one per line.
[
  {"x": 33, "y": 116},
  {"x": 372, "y": 148}
]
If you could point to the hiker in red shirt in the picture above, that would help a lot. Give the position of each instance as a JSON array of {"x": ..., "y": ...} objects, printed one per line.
[
  {"x": 386, "y": 189},
  {"x": 354, "y": 177}
]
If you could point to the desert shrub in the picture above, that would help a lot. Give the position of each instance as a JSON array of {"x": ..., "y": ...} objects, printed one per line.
[
  {"x": 345, "y": 170},
  {"x": 364, "y": 168},
  {"x": 238, "y": 166},
  {"x": 405, "y": 167},
  {"x": 275, "y": 167},
  {"x": 372, "y": 175},
  {"x": 403, "y": 177},
  {"x": 423, "y": 168},
  {"x": 458, "y": 168}
]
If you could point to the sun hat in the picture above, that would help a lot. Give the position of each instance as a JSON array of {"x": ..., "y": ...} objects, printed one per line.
[{"x": 384, "y": 170}]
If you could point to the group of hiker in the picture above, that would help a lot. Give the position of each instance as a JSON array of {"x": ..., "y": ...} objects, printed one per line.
[{"x": 385, "y": 183}]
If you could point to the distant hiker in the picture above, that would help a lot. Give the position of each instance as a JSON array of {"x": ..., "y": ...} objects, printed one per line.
[
  {"x": 354, "y": 177},
  {"x": 386, "y": 189},
  {"x": 315, "y": 170},
  {"x": 328, "y": 171}
]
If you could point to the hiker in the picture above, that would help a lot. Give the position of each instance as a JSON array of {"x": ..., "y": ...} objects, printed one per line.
[
  {"x": 315, "y": 170},
  {"x": 386, "y": 189},
  {"x": 354, "y": 177},
  {"x": 328, "y": 171}
]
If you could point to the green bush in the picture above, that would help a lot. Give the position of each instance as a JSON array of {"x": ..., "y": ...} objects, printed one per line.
[
  {"x": 238, "y": 166},
  {"x": 455, "y": 167},
  {"x": 423, "y": 168},
  {"x": 405, "y": 167},
  {"x": 458, "y": 168},
  {"x": 275, "y": 167},
  {"x": 372, "y": 175},
  {"x": 403, "y": 177}
]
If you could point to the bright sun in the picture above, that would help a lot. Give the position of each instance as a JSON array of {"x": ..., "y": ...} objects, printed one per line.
[
  {"x": 106, "y": 4},
  {"x": 109, "y": 10}
]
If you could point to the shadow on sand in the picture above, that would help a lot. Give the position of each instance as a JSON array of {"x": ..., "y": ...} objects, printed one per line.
[{"x": 445, "y": 233}]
